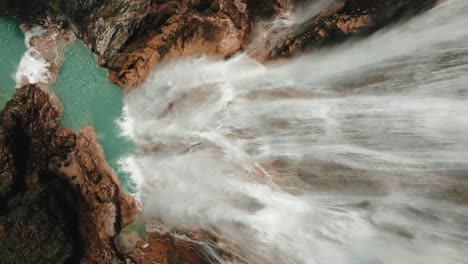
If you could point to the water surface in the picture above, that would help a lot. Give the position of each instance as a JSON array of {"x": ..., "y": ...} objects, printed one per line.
[
  {"x": 351, "y": 155},
  {"x": 82, "y": 87},
  {"x": 90, "y": 99},
  {"x": 11, "y": 50}
]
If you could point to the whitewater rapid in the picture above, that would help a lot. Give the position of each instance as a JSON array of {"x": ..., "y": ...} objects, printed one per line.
[
  {"x": 33, "y": 67},
  {"x": 356, "y": 154}
]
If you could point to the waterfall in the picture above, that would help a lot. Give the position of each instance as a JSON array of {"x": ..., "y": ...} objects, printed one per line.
[
  {"x": 33, "y": 68},
  {"x": 355, "y": 154}
]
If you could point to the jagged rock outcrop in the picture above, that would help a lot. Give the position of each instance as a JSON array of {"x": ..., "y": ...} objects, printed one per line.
[
  {"x": 59, "y": 200},
  {"x": 31, "y": 11},
  {"x": 170, "y": 30},
  {"x": 343, "y": 20},
  {"x": 131, "y": 36},
  {"x": 177, "y": 246},
  {"x": 167, "y": 249},
  {"x": 265, "y": 9}
]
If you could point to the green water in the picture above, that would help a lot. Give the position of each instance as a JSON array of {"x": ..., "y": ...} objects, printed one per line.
[
  {"x": 90, "y": 99},
  {"x": 82, "y": 87},
  {"x": 11, "y": 50}
]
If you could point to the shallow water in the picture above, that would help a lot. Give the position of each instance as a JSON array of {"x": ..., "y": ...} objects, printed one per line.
[
  {"x": 82, "y": 87},
  {"x": 12, "y": 49},
  {"x": 90, "y": 99},
  {"x": 356, "y": 154}
]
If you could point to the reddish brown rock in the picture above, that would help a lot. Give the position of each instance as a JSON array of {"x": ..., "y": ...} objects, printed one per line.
[
  {"x": 166, "y": 249},
  {"x": 265, "y": 9},
  {"x": 56, "y": 190},
  {"x": 176, "y": 29},
  {"x": 346, "y": 19},
  {"x": 185, "y": 246},
  {"x": 59, "y": 200},
  {"x": 131, "y": 36}
]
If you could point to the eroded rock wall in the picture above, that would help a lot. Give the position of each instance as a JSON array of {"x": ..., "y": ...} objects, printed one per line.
[
  {"x": 131, "y": 37},
  {"x": 344, "y": 20},
  {"x": 59, "y": 201}
]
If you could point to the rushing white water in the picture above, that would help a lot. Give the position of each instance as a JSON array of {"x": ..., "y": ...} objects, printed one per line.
[
  {"x": 356, "y": 154},
  {"x": 309, "y": 9},
  {"x": 33, "y": 67},
  {"x": 266, "y": 33}
]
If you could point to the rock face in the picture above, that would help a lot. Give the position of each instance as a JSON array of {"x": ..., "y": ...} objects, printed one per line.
[
  {"x": 32, "y": 11},
  {"x": 59, "y": 201},
  {"x": 166, "y": 249},
  {"x": 170, "y": 30},
  {"x": 345, "y": 19},
  {"x": 131, "y": 36},
  {"x": 265, "y": 9},
  {"x": 177, "y": 246}
]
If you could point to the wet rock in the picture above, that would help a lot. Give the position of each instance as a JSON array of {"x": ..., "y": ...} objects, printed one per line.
[
  {"x": 166, "y": 31},
  {"x": 346, "y": 19},
  {"x": 131, "y": 37},
  {"x": 59, "y": 200},
  {"x": 39, "y": 226},
  {"x": 180, "y": 246},
  {"x": 48, "y": 212},
  {"x": 265, "y": 9}
]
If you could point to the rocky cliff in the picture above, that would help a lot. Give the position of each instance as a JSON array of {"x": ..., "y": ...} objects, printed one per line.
[
  {"x": 343, "y": 20},
  {"x": 131, "y": 36},
  {"x": 59, "y": 201}
]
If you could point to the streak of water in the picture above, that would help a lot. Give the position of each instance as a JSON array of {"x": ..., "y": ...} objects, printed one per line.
[
  {"x": 33, "y": 68},
  {"x": 352, "y": 155}
]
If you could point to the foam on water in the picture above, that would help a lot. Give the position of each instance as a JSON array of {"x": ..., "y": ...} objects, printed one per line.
[
  {"x": 89, "y": 99},
  {"x": 33, "y": 68},
  {"x": 351, "y": 155}
]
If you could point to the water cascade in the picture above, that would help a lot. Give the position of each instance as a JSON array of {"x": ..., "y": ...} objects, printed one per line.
[{"x": 355, "y": 154}]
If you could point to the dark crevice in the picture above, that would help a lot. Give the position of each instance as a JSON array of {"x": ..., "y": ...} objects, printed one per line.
[
  {"x": 60, "y": 190},
  {"x": 21, "y": 145},
  {"x": 203, "y": 5}
]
